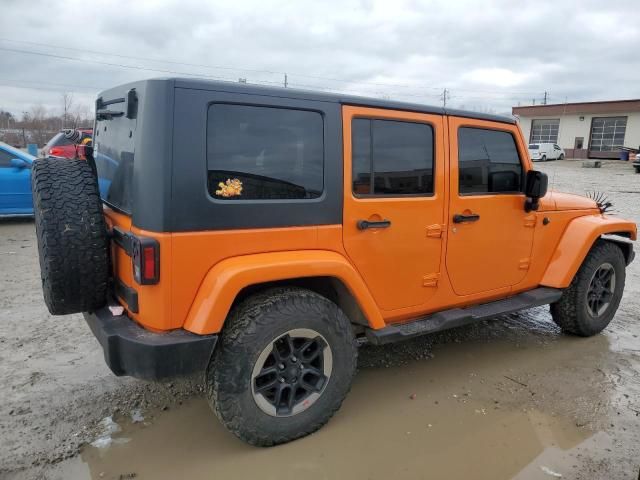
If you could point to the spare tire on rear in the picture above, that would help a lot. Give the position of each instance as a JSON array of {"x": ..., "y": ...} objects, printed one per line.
[{"x": 72, "y": 235}]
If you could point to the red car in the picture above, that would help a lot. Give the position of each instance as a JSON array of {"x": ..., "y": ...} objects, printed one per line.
[{"x": 64, "y": 143}]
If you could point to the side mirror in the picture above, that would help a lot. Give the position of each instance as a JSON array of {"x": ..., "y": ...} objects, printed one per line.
[
  {"x": 19, "y": 163},
  {"x": 535, "y": 188}
]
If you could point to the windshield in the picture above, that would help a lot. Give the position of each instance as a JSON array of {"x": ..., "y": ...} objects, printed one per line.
[{"x": 534, "y": 147}]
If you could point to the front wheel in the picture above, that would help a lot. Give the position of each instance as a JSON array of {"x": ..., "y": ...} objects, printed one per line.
[
  {"x": 283, "y": 366},
  {"x": 591, "y": 301},
  {"x": 561, "y": 157}
]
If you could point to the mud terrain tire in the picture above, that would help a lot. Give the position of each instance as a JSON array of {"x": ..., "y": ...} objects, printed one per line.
[
  {"x": 71, "y": 234},
  {"x": 252, "y": 327},
  {"x": 571, "y": 312}
]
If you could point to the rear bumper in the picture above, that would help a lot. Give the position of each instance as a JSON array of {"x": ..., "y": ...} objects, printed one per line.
[{"x": 134, "y": 351}]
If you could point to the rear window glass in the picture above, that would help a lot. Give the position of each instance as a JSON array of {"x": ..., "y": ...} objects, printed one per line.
[
  {"x": 113, "y": 153},
  {"x": 534, "y": 147},
  {"x": 264, "y": 153},
  {"x": 58, "y": 140}
]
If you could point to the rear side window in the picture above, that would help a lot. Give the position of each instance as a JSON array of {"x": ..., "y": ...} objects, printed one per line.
[
  {"x": 488, "y": 162},
  {"x": 391, "y": 157},
  {"x": 264, "y": 153}
]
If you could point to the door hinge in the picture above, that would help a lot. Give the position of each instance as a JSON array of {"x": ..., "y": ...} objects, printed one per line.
[
  {"x": 434, "y": 231},
  {"x": 524, "y": 263},
  {"x": 530, "y": 220},
  {"x": 430, "y": 280}
]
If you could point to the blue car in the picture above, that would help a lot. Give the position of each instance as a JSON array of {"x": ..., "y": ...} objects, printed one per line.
[{"x": 15, "y": 182}]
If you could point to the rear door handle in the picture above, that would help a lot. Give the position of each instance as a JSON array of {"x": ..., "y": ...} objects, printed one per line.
[
  {"x": 364, "y": 224},
  {"x": 460, "y": 218}
]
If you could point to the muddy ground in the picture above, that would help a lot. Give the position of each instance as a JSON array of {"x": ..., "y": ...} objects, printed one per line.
[{"x": 507, "y": 398}]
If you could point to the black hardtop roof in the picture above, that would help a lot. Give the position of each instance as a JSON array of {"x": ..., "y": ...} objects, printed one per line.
[{"x": 312, "y": 95}]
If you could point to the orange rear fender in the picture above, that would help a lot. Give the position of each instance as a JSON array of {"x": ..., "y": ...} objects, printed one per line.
[
  {"x": 227, "y": 278},
  {"x": 577, "y": 240}
]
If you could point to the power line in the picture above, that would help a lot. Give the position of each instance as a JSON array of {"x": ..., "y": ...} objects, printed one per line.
[{"x": 224, "y": 67}]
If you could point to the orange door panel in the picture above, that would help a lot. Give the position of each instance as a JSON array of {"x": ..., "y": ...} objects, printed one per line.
[
  {"x": 395, "y": 240},
  {"x": 490, "y": 234}
]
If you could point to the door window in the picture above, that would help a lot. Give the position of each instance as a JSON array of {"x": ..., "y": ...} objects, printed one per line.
[
  {"x": 392, "y": 157},
  {"x": 488, "y": 162}
]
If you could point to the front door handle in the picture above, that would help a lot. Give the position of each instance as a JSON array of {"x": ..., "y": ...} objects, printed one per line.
[
  {"x": 364, "y": 224},
  {"x": 460, "y": 218}
]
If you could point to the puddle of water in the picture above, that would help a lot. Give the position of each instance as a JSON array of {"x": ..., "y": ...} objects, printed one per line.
[{"x": 462, "y": 423}]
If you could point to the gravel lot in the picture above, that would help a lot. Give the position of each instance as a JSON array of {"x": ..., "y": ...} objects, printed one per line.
[{"x": 512, "y": 398}]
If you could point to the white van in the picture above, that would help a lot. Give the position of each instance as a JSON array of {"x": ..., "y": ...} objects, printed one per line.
[{"x": 545, "y": 151}]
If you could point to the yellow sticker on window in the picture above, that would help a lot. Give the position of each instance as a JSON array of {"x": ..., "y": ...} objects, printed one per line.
[{"x": 230, "y": 188}]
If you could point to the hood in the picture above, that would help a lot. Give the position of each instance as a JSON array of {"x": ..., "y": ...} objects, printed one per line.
[{"x": 566, "y": 201}]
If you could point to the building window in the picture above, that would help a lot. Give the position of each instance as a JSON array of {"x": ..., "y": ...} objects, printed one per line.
[
  {"x": 264, "y": 153},
  {"x": 488, "y": 162},
  {"x": 391, "y": 157},
  {"x": 607, "y": 133},
  {"x": 544, "y": 131}
]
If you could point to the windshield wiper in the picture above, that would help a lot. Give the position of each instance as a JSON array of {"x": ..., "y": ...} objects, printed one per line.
[{"x": 130, "y": 106}]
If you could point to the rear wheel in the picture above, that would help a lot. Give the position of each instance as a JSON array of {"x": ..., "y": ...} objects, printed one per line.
[
  {"x": 71, "y": 235},
  {"x": 591, "y": 301},
  {"x": 284, "y": 364},
  {"x": 544, "y": 158}
]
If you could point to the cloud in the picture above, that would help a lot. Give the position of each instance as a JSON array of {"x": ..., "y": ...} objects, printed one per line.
[{"x": 489, "y": 55}]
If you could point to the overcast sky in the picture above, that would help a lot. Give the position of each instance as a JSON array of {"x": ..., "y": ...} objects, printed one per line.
[{"x": 489, "y": 56}]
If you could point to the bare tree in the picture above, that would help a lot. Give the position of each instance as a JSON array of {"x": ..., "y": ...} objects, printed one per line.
[{"x": 67, "y": 104}]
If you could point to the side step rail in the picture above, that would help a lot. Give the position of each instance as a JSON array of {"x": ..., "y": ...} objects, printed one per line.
[{"x": 457, "y": 317}]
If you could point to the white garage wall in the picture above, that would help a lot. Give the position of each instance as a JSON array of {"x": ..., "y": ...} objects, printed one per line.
[{"x": 571, "y": 127}]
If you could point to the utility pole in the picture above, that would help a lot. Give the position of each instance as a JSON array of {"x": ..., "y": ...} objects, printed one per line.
[
  {"x": 445, "y": 95},
  {"x": 544, "y": 102},
  {"x": 533, "y": 101},
  {"x": 286, "y": 81}
]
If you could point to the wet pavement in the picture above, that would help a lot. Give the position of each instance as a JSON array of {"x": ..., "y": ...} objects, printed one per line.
[{"x": 507, "y": 398}]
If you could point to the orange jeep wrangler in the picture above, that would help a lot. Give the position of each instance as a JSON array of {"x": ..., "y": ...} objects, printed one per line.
[{"x": 259, "y": 234}]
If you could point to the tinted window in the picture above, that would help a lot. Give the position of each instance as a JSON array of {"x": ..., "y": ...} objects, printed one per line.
[
  {"x": 488, "y": 162},
  {"x": 264, "y": 153},
  {"x": 361, "y": 156},
  {"x": 392, "y": 158},
  {"x": 5, "y": 158},
  {"x": 114, "y": 156}
]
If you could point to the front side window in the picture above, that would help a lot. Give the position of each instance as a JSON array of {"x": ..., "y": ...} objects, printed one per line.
[
  {"x": 5, "y": 158},
  {"x": 488, "y": 162},
  {"x": 264, "y": 153},
  {"x": 392, "y": 157}
]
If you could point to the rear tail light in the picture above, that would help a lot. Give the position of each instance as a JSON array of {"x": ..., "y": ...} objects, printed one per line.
[
  {"x": 57, "y": 152},
  {"x": 145, "y": 258}
]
